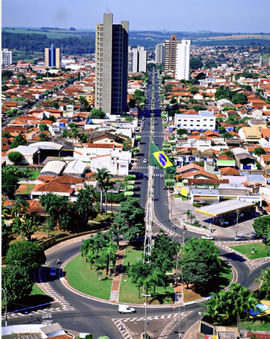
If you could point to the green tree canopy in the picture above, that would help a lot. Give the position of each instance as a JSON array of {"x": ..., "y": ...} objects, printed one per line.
[
  {"x": 25, "y": 254},
  {"x": 97, "y": 114},
  {"x": 261, "y": 226},
  {"x": 17, "y": 280},
  {"x": 15, "y": 157},
  {"x": 18, "y": 140},
  {"x": 195, "y": 63},
  {"x": 259, "y": 151}
]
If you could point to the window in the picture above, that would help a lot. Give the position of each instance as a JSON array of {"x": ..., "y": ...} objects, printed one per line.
[
  {"x": 204, "y": 119},
  {"x": 211, "y": 125},
  {"x": 185, "y": 124},
  {"x": 191, "y": 125},
  {"x": 211, "y": 119},
  {"x": 204, "y": 125},
  {"x": 198, "y": 120},
  {"x": 197, "y": 125}
]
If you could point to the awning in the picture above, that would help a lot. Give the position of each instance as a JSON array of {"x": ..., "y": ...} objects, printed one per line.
[{"x": 224, "y": 207}]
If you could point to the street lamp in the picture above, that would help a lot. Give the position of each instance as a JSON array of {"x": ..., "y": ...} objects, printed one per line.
[
  {"x": 4, "y": 289},
  {"x": 146, "y": 296},
  {"x": 109, "y": 263}
]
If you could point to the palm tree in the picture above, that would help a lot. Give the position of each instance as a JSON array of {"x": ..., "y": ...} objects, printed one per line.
[
  {"x": 84, "y": 203},
  {"x": 102, "y": 176},
  {"x": 264, "y": 279},
  {"x": 109, "y": 185},
  {"x": 19, "y": 207}
]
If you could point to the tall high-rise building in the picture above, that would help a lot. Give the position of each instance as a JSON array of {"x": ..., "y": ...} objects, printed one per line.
[
  {"x": 159, "y": 59},
  {"x": 111, "y": 65},
  {"x": 137, "y": 59},
  {"x": 6, "y": 57},
  {"x": 182, "y": 60},
  {"x": 170, "y": 54},
  {"x": 52, "y": 57}
]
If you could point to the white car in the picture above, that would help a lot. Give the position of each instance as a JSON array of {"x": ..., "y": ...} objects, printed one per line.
[
  {"x": 125, "y": 309},
  {"x": 144, "y": 161},
  {"x": 207, "y": 236}
]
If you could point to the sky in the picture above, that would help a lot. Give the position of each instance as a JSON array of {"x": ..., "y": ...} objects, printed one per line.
[{"x": 238, "y": 16}]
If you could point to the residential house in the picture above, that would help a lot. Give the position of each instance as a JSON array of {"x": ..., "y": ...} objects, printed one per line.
[
  {"x": 250, "y": 134},
  {"x": 244, "y": 160}
]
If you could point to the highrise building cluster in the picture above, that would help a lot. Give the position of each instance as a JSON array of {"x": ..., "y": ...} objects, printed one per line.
[
  {"x": 6, "y": 57},
  {"x": 137, "y": 59},
  {"x": 111, "y": 65},
  {"x": 176, "y": 57},
  {"x": 52, "y": 57}
]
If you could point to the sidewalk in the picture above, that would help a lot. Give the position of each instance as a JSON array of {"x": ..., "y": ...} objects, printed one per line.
[{"x": 118, "y": 272}]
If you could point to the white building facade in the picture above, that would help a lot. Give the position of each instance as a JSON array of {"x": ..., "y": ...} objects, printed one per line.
[
  {"x": 182, "y": 60},
  {"x": 159, "y": 59},
  {"x": 137, "y": 59},
  {"x": 204, "y": 120},
  {"x": 6, "y": 57}
]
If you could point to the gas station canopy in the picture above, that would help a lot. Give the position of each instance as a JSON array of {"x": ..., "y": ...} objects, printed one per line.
[{"x": 224, "y": 207}]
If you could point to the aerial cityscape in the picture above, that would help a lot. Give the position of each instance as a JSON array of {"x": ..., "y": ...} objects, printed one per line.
[{"x": 135, "y": 169}]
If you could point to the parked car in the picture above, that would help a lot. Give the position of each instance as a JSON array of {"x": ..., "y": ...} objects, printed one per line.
[
  {"x": 165, "y": 187},
  {"x": 145, "y": 176},
  {"x": 240, "y": 237},
  {"x": 207, "y": 236},
  {"x": 53, "y": 271},
  {"x": 126, "y": 309}
]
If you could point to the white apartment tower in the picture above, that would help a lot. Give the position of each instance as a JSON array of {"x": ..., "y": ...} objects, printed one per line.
[
  {"x": 182, "y": 60},
  {"x": 159, "y": 54},
  {"x": 137, "y": 60},
  {"x": 6, "y": 57}
]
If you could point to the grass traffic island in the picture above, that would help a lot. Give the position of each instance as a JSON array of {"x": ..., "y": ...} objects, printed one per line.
[
  {"x": 82, "y": 278},
  {"x": 89, "y": 281},
  {"x": 129, "y": 292},
  {"x": 260, "y": 250}
]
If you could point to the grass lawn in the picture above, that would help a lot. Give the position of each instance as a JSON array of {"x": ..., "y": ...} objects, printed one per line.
[
  {"x": 79, "y": 276},
  {"x": 257, "y": 325},
  {"x": 260, "y": 249},
  {"x": 36, "y": 297},
  {"x": 129, "y": 293},
  {"x": 37, "y": 291}
]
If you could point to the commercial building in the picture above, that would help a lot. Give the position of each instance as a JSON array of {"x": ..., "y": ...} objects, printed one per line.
[
  {"x": 137, "y": 59},
  {"x": 204, "y": 120},
  {"x": 6, "y": 57},
  {"x": 111, "y": 65},
  {"x": 182, "y": 60},
  {"x": 170, "y": 54},
  {"x": 159, "y": 59},
  {"x": 52, "y": 57}
]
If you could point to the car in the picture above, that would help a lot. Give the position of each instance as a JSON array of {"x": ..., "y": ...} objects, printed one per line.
[
  {"x": 144, "y": 161},
  {"x": 145, "y": 177},
  {"x": 207, "y": 236},
  {"x": 53, "y": 271},
  {"x": 255, "y": 236},
  {"x": 165, "y": 187},
  {"x": 240, "y": 237},
  {"x": 126, "y": 309}
]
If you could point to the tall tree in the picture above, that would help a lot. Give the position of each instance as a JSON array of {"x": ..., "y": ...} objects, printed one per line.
[
  {"x": 264, "y": 279},
  {"x": 19, "y": 207},
  {"x": 102, "y": 176}
]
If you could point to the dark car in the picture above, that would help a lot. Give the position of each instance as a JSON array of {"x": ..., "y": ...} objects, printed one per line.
[
  {"x": 240, "y": 237},
  {"x": 165, "y": 187},
  {"x": 255, "y": 236},
  {"x": 145, "y": 176}
]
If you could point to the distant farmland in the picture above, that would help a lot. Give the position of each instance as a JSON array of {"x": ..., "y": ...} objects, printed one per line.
[{"x": 236, "y": 37}]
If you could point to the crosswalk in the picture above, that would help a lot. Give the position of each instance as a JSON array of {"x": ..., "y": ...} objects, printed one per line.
[
  {"x": 149, "y": 318},
  {"x": 44, "y": 312}
]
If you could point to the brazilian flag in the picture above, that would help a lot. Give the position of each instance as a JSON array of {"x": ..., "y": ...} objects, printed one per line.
[{"x": 160, "y": 159}]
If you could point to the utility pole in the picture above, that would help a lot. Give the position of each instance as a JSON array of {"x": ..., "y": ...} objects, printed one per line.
[
  {"x": 145, "y": 323},
  {"x": 4, "y": 289},
  {"x": 237, "y": 212}
]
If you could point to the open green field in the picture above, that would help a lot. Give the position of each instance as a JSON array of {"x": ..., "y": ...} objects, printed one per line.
[
  {"x": 50, "y": 34},
  {"x": 82, "y": 278},
  {"x": 260, "y": 249}
]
